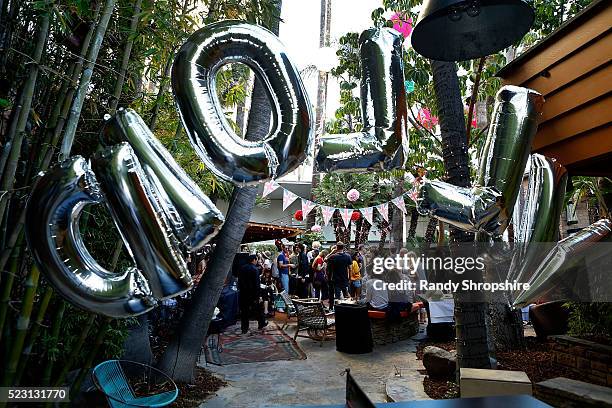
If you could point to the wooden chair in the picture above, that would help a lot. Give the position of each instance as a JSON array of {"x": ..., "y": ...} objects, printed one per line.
[
  {"x": 312, "y": 317},
  {"x": 290, "y": 307}
]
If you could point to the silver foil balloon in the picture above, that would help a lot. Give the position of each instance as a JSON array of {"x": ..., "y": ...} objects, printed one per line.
[
  {"x": 194, "y": 85},
  {"x": 488, "y": 206},
  {"x": 193, "y": 217},
  {"x": 52, "y": 230},
  {"x": 134, "y": 203},
  {"x": 536, "y": 216},
  {"x": 382, "y": 145},
  {"x": 573, "y": 253}
]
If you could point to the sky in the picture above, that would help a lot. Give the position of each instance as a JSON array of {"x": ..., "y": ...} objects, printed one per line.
[{"x": 299, "y": 31}]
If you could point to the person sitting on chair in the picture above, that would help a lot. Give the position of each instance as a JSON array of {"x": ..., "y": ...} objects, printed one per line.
[{"x": 250, "y": 298}]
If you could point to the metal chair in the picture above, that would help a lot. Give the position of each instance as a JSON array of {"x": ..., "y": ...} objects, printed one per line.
[
  {"x": 311, "y": 316},
  {"x": 117, "y": 380}
]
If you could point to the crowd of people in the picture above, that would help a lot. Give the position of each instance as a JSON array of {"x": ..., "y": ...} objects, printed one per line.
[{"x": 317, "y": 273}]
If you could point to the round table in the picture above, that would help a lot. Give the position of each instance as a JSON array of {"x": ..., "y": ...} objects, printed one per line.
[{"x": 353, "y": 331}]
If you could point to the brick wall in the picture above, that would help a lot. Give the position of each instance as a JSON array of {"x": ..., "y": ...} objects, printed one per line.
[{"x": 591, "y": 360}]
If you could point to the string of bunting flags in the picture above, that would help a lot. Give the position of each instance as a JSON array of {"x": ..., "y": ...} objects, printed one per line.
[{"x": 345, "y": 213}]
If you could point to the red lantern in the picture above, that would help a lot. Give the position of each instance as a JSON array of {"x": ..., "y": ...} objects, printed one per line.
[
  {"x": 299, "y": 216},
  {"x": 355, "y": 215}
]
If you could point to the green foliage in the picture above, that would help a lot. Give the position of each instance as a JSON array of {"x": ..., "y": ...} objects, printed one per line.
[
  {"x": 590, "y": 318},
  {"x": 309, "y": 237}
]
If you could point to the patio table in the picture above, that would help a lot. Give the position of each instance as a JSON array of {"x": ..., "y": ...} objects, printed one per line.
[{"x": 513, "y": 401}]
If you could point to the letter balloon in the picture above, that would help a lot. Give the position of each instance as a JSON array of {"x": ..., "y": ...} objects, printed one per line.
[
  {"x": 194, "y": 84},
  {"x": 382, "y": 144}
]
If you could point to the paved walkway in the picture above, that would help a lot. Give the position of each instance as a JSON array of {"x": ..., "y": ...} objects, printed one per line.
[{"x": 390, "y": 369}]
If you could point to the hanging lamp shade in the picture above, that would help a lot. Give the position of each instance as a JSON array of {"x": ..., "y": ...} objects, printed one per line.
[{"x": 459, "y": 30}]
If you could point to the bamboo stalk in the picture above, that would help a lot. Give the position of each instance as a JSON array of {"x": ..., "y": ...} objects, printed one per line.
[
  {"x": 23, "y": 322},
  {"x": 34, "y": 332},
  {"x": 7, "y": 287},
  {"x": 127, "y": 51},
  {"x": 11, "y": 243},
  {"x": 55, "y": 330},
  {"x": 77, "y": 103},
  {"x": 67, "y": 101},
  {"x": 8, "y": 175},
  {"x": 76, "y": 385},
  {"x": 76, "y": 349}
]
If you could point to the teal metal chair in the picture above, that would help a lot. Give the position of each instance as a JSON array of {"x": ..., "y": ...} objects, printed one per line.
[{"x": 111, "y": 379}]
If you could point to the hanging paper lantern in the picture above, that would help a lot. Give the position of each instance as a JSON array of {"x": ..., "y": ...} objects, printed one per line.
[
  {"x": 315, "y": 228},
  {"x": 352, "y": 195},
  {"x": 299, "y": 216},
  {"x": 355, "y": 215}
]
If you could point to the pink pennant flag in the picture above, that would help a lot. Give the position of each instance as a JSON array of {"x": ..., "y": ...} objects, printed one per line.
[
  {"x": 368, "y": 214},
  {"x": 383, "y": 209},
  {"x": 288, "y": 198},
  {"x": 269, "y": 187},
  {"x": 399, "y": 203},
  {"x": 328, "y": 212},
  {"x": 307, "y": 207},
  {"x": 346, "y": 215}
]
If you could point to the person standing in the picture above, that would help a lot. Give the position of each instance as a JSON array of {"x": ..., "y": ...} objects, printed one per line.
[
  {"x": 250, "y": 299},
  {"x": 320, "y": 278},
  {"x": 304, "y": 273},
  {"x": 282, "y": 261},
  {"x": 338, "y": 267},
  {"x": 355, "y": 277}
]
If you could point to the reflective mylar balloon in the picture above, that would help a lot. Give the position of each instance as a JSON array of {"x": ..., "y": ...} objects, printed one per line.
[
  {"x": 193, "y": 217},
  {"x": 194, "y": 84},
  {"x": 536, "y": 216},
  {"x": 52, "y": 230},
  {"x": 382, "y": 145},
  {"x": 573, "y": 253},
  {"x": 134, "y": 203},
  {"x": 488, "y": 206}
]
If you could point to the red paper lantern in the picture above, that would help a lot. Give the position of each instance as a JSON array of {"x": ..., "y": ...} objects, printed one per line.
[
  {"x": 299, "y": 216},
  {"x": 355, "y": 215}
]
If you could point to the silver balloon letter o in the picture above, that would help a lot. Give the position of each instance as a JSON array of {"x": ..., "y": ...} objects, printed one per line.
[{"x": 193, "y": 81}]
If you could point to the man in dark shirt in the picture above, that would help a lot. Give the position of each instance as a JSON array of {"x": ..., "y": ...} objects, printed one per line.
[
  {"x": 250, "y": 298},
  {"x": 304, "y": 274},
  {"x": 338, "y": 266}
]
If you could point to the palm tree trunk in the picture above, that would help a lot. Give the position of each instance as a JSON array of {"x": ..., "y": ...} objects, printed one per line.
[
  {"x": 77, "y": 103},
  {"x": 470, "y": 315},
  {"x": 180, "y": 358}
]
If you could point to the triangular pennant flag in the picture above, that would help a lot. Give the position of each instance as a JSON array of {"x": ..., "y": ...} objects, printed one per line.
[
  {"x": 383, "y": 209},
  {"x": 413, "y": 194},
  {"x": 288, "y": 198},
  {"x": 368, "y": 214},
  {"x": 328, "y": 212},
  {"x": 346, "y": 215},
  {"x": 399, "y": 203},
  {"x": 307, "y": 207},
  {"x": 269, "y": 187}
]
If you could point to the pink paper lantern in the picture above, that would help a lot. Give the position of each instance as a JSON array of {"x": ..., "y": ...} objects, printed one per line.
[{"x": 352, "y": 195}]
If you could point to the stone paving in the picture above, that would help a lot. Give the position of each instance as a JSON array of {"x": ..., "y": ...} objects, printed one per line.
[{"x": 389, "y": 373}]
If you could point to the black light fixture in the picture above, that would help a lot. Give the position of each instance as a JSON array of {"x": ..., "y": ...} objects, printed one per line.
[{"x": 459, "y": 30}]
